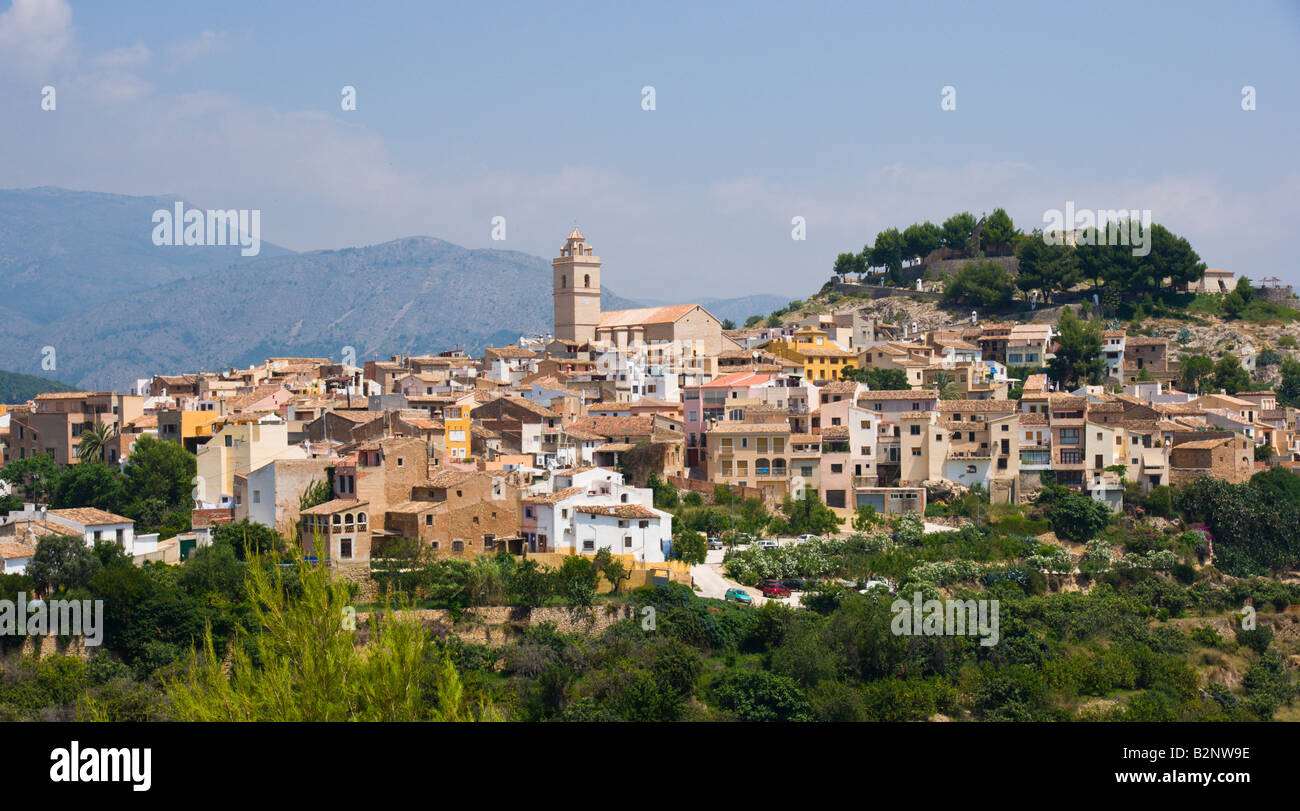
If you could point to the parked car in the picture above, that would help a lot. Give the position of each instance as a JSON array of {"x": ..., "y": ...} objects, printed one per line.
[
  {"x": 715, "y": 543},
  {"x": 768, "y": 544},
  {"x": 773, "y": 588},
  {"x": 864, "y": 588},
  {"x": 738, "y": 596},
  {"x": 803, "y": 538},
  {"x": 795, "y": 583}
]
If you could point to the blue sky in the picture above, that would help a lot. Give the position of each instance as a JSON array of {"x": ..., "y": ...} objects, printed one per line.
[{"x": 765, "y": 111}]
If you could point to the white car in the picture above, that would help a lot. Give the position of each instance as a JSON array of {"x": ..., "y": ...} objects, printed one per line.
[
  {"x": 872, "y": 584},
  {"x": 803, "y": 538},
  {"x": 768, "y": 544}
]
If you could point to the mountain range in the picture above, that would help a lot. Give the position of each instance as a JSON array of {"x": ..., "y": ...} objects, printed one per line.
[{"x": 89, "y": 292}]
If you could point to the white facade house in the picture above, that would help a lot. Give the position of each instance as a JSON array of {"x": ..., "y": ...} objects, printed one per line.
[
  {"x": 14, "y": 556},
  {"x": 591, "y": 510},
  {"x": 95, "y": 525}
]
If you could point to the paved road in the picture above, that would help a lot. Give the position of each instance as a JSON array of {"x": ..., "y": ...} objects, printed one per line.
[{"x": 711, "y": 582}]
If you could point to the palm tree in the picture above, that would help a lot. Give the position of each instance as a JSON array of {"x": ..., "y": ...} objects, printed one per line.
[
  {"x": 95, "y": 441},
  {"x": 948, "y": 388}
]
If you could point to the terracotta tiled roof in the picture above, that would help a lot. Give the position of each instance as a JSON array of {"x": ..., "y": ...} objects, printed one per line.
[
  {"x": 90, "y": 516},
  {"x": 839, "y": 387},
  {"x": 16, "y": 549},
  {"x": 618, "y": 510},
  {"x": 905, "y": 394},
  {"x": 1202, "y": 444},
  {"x": 335, "y": 505},
  {"x": 451, "y": 478},
  {"x": 413, "y": 506},
  {"x": 646, "y": 315},
  {"x": 973, "y": 406},
  {"x": 616, "y": 426},
  {"x": 511, "y": 351},
  {"x": 557, "y": 496}
]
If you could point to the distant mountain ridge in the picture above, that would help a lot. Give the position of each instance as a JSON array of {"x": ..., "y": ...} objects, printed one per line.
[
  {"x": 19, "y": 388},
  {"x": 87, "y": 280}
]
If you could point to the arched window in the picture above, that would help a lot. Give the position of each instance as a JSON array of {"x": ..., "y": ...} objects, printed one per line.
[
  {"x": 778, "y": 467},
  {"x": 586, "y": 280},
  {"x": 623, "y": 498},
  {"x": 361, "y": 518},
  {"x": 348, "y": 519},
  {"x": 762, "y": 467},
  {"x": 338, "y": 519}
]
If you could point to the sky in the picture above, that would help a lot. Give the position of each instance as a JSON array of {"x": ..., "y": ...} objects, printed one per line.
[{"x": 763, "y": 112}]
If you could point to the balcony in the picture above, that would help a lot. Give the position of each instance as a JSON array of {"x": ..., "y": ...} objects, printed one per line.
[{"x": 1041, "y": 458}]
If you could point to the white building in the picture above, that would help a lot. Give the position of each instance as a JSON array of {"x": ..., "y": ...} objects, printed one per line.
[
  {"x": 95, "y": 525},
  {"x": 591, "y": 509}
]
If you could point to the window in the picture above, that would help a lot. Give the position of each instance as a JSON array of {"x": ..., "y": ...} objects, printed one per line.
[
  {"x": 916, "y": 451},
  {"x": 400, "y": 461},
  {"x": 643, "y": 524},
  {"x": 588, "y": 546},
  {"x": 257, "y": 496},
  {"x": 458, "y": 546},
  {"x": 837, "y": 468},
  {"x": 627, "y": 541},
  {"x": 915, "y": 430},
  {"x": 428, "y": 519}
]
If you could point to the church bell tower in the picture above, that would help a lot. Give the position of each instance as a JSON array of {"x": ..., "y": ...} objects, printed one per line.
[{"x": 576, "y": 283}]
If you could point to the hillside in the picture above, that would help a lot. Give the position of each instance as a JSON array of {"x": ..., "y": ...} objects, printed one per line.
[
  {"x": 1193, "y": 324},
  {"x": 19, "y": 388}
]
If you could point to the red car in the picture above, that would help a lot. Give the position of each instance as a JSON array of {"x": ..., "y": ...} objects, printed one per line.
[{"x": 773, "y": 588}]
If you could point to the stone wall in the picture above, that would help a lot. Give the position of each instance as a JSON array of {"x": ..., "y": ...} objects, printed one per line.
[
  {"x": 359, "y": 573},
  {"x": 496, "y": 625}
]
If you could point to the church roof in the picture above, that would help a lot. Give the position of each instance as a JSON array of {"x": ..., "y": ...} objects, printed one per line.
[{"x": 645, "y": 315}]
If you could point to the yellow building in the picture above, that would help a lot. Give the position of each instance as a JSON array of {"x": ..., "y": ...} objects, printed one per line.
[
  {"x": 189, "y": 428},
  {"x": 456, "y": 427},
  {"x": 819, "y": 356}
]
